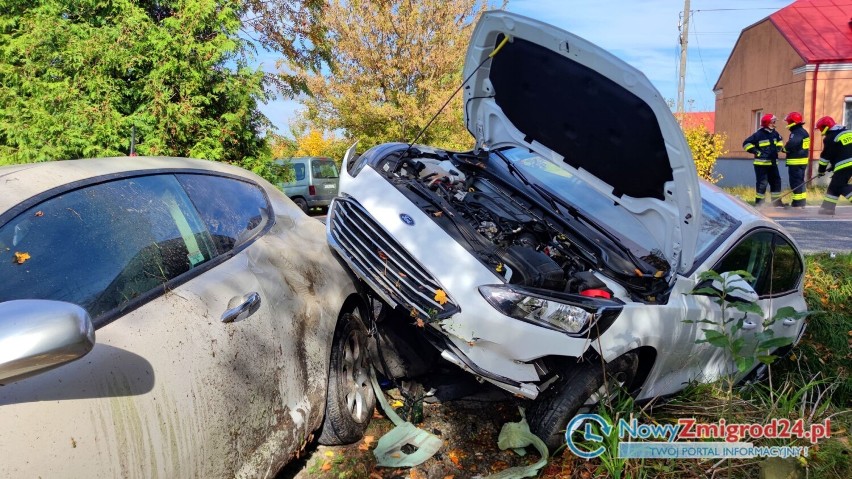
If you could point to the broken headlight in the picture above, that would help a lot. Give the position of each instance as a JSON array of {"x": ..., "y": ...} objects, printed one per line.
[{"x": 569, "y": 313}]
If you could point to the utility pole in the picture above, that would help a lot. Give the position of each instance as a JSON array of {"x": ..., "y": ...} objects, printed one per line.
[{"x": 684, "y": 39}]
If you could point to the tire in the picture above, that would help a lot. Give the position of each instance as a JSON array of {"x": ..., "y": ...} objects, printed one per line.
[
  {"x": 549, "y": 414},
  {"x": 301, "y": 203},
  {"x": 351, "y": 399}
]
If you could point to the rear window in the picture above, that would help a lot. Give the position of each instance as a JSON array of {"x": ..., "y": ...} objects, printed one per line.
[{"x": 324, "y": 169}]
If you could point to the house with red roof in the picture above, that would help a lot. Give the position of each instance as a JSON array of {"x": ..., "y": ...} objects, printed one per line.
[
  {"x": 695, "y": 119},
  {"x": 797, "y": 59}
]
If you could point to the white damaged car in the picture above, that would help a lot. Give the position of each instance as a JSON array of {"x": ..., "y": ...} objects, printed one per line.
[{"x": 571, "y": 236}]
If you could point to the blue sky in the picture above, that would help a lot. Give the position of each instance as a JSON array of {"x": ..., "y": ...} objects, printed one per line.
[{"x": 644, "y": 33}]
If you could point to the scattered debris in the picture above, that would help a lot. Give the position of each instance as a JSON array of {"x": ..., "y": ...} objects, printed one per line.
[
  {"x": 21, "y": 257},
  {"x": 517, "y": 436},
  {"x": 405, "y": 445}
]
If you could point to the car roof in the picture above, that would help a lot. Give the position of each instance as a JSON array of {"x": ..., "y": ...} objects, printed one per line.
[{"x": 19, "y": 182}]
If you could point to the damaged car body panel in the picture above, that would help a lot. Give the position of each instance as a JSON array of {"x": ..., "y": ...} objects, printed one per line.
[
  {"x": 218, "y": 368},
  {"x": 567, "y": 243}
]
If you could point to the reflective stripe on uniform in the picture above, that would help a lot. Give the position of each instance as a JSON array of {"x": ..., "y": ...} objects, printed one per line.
[
  {"x": 748, "y": 146},
  {"x": 823, "y": 162},
  {"x": 843, "y": 164},
  {"x": 806, "y": 144},
  {"x": 758, "y": 196},
  {"x": 830, "y": 198},
  {"x": 762, "y": 163},
  {"x": 779, "y": 143},
  {"x": 776, "y": 195},
  {"x": 844, "y": 138},
  {"x": 797, "y": 161},
  {"x": 763, "y": 143},
  {"x": 800, "y": 196}
]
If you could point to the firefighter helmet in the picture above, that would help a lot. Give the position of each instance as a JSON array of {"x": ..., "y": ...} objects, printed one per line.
[
  {"x": 794, "y": 118},
  {"x": 766, "y": 119},
  {"x": 824, "y": 123}
]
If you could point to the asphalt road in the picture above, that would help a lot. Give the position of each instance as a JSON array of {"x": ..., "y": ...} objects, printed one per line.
[{"x": 814, "y": 232}]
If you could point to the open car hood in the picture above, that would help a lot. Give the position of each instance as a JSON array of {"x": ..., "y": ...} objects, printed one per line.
[{"x": 591, "y": 114}]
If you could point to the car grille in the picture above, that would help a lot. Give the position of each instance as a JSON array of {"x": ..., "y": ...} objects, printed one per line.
[{"x": 379, "y": 260}]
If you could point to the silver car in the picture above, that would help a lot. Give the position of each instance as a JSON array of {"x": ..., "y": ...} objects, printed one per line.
[
  {"x": 227, "y": 333},
  {"x": 315, "y": 181}
]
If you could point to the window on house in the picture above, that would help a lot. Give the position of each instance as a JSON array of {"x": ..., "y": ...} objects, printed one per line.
[
  {"x": 756, "y": 119},
  {"x": 847, "y": 112}
]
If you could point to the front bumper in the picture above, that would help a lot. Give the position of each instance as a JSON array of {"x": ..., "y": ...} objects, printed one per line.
[{"x": 405, "y": 264}]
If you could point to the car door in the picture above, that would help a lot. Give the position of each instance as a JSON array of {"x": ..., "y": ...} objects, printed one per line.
[
  {"x": 169, "y": 389},
  {"x": 777, "y": 272}
]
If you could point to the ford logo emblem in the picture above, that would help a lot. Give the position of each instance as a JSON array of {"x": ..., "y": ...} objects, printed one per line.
[{"x": 407, "y": 219}]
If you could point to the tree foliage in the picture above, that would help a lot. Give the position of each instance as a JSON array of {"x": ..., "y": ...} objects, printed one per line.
[
  {"x": 706, "y": 149},
  {"x": 76, "y": 75},
  {"x": 394, "y": 64}
]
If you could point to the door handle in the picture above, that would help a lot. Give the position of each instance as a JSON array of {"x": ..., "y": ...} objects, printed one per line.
[
  {"x": 749, "y": 324},
  {"x": 245, "y": 307}
]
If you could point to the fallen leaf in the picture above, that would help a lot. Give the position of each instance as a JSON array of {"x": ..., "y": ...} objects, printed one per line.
[
  {"x": 454, "y": 456},
  {"x": 329, "y": 454},
  {"x": 414, "y": 313},
  {"x": 419, "y": 323},
  {"x": 39, "y": 213},
  {"x": 450, "y": 477},
  {"x": 397, "y": 403},
  {"x": 21, "y": 257},
  {"x": 365, "y": 446},
  {"x": 437, "y": 214},
  {"x": 440, "y": 296},
  {"x": 326, "y": 466},
  {"x": 415, "y": 474}
]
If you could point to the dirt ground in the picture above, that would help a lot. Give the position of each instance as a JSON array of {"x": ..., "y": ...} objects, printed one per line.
[{"x": 469, "y": 428}]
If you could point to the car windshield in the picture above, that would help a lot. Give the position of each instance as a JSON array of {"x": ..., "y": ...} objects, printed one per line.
[
  {"x": 716, "y": 225},
  {"x": 593, "y": 204}
]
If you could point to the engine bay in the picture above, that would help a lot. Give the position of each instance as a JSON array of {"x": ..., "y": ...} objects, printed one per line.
[{"x": 520, "y": 239}]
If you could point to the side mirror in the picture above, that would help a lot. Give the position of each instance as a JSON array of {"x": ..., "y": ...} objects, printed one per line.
[
  {"x": 733, "y": 286},
  {"x": 37, "y": 335}
]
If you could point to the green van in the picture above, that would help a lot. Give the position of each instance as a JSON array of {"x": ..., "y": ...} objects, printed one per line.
[{"x": 315, "y": 181}]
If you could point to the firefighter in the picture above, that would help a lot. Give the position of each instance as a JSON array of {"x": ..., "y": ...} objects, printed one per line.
[
  {"x": 797, "y": 148},
  {"x": 836, "y": 156},
  {"x": 765, "y": 144}
]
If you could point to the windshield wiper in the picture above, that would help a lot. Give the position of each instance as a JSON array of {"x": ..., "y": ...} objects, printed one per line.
[
  {"x": 573, "y": 211},
  {"x": 538, "y": 189}
]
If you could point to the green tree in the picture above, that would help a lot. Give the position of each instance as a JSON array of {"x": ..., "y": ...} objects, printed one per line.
[
  {"x": 77, "y": 75},
  {"x": 393, "y": 64}
]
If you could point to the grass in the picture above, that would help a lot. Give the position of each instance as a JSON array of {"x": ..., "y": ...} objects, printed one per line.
[
  {"x": 746, "y": 193},
  {"x": 827, "y": 345}
]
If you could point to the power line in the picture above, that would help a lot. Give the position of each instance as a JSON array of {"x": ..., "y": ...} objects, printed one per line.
[
  {"x": 700, "y": 58},
  {"x": 734, "y": 9}
]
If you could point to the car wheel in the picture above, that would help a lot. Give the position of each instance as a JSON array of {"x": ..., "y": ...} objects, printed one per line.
[
  {"x": 351, "y": 399},
  {"x": 549, "y": 414},
  {"x": 301, "y": 203}
]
